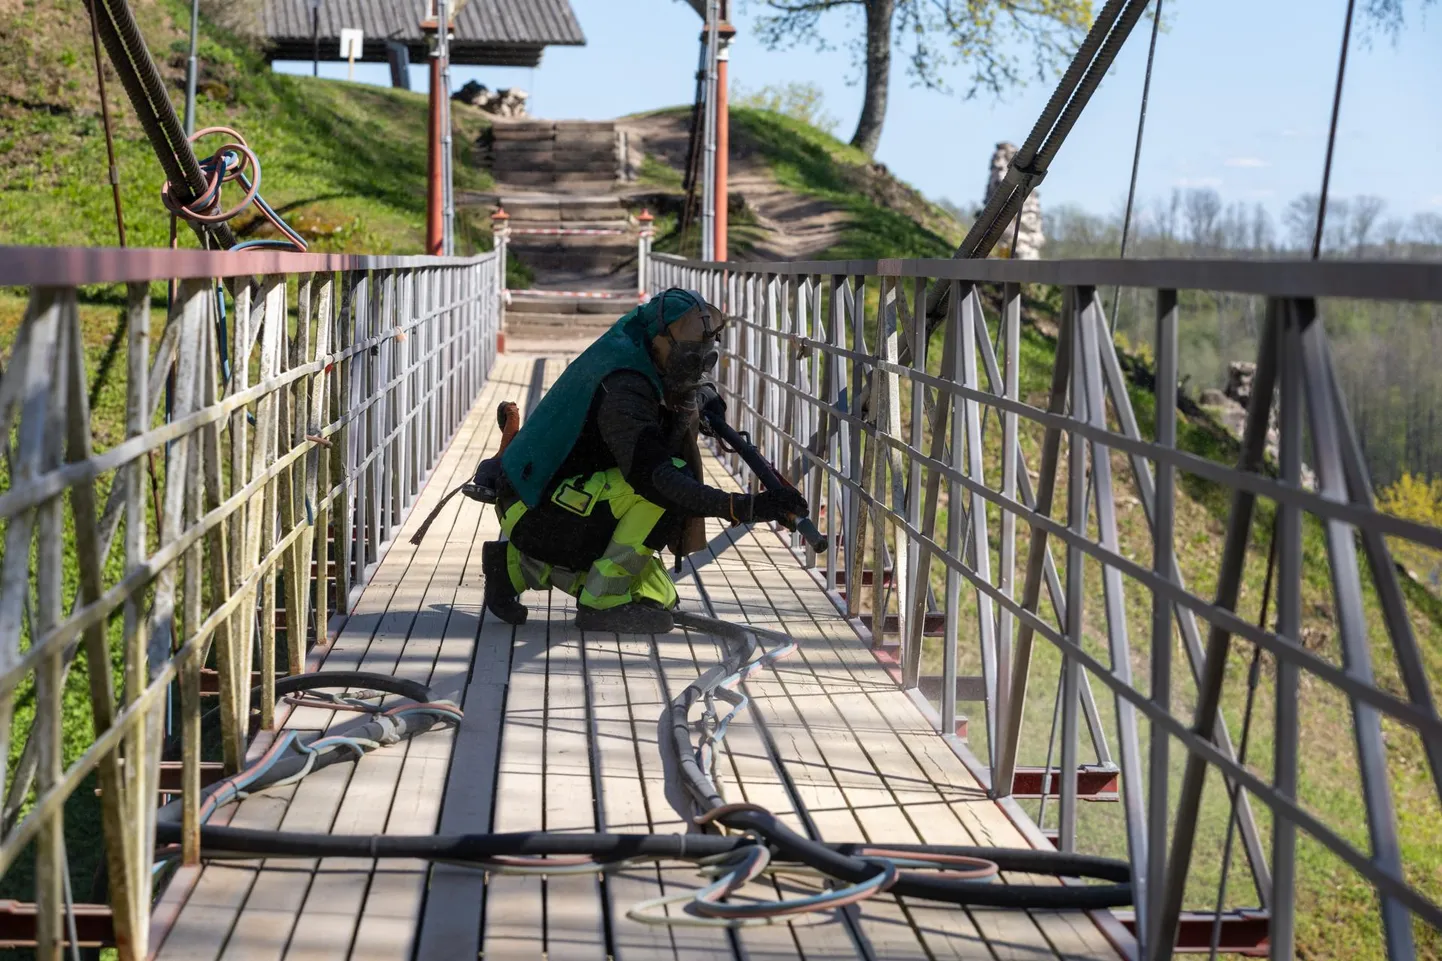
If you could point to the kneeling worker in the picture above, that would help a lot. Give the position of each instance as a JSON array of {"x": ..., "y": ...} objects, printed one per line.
[{"x": 606, "y": 472}]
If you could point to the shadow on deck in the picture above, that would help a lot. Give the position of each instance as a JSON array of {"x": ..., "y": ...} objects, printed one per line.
[{"x": 560, "y": 733}]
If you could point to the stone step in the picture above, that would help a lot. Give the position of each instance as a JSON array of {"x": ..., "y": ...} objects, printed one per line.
[
  {"x": 569, "y": 322},
  {"x": 592, "y": 263},
  {"x": 626, "y": 228},
  {"x": 611, "y": 307},
  {"x": 569, "y": 131},
  {"x": 541, "y": 151},
  {"x": 553, "y": 210},
  {"x": 609, "y": 243},
  {"x": 523, "y": 132},
  {"x": 547, "y": 178},
  {"x": 506, "y": 167}
]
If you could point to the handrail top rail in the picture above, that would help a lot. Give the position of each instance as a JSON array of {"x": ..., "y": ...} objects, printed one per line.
[
  {"x": 73, "y": 266},
  {"x": 1360, "y": 279}
]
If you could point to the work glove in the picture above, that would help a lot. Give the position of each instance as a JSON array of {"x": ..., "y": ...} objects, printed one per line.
[{"x": 779, "y": 505}]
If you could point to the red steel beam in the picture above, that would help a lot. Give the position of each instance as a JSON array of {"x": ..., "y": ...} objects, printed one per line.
[
  {"x": 1096, "y": 783},
  {"x": 94, "y": 926},
  {"x": 932, "y": 627},
  {"x": 1245, "y": 932}
]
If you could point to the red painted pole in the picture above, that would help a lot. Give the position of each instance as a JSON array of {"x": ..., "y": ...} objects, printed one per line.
[{"x": 435, "y": 170}]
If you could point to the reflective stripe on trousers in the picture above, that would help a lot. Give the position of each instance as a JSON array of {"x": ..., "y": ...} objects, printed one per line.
[{"x": 627, "y": 571}]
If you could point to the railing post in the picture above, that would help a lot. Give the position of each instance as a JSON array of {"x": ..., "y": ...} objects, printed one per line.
[
  {"x": 643, "y": 255},
  {"x": 501, "y": 231}
]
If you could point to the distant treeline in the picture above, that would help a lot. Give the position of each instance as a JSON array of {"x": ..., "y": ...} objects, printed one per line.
[{"x": 1387, "y": 354}]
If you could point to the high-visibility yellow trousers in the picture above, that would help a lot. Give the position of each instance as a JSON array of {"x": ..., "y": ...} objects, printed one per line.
[{"x": 627, "y": 571}]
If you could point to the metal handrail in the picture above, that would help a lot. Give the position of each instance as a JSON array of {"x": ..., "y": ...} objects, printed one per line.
[
  {"x": 359, "y": 384},
  {"x": 810, "y": 338},
  {"x": 1363, "y": 280}
]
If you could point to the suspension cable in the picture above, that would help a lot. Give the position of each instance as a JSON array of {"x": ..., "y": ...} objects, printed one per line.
[
  {"x": 146, "y": 89},
  {"x": 1136, "y": 162},
  {"x": 1332, "y": 132},
  {"x": 1254, "y": 671}
]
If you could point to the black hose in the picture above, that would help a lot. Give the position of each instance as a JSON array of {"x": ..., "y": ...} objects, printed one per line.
[
  {"x": 461, "y": 847},
  {"x": 321, "y": 680},
  {"x": 843, "y": 861},
  {"x": 373, "y": 730},
  {"x": 835, "y": 859},
  {"x": 713, "y": 412}
]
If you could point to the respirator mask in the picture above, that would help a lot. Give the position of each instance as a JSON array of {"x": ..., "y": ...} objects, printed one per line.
[{"x": 689, "y": 363}]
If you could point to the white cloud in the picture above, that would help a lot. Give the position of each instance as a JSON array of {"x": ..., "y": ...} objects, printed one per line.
[
  {"x": 1435, "y": 200},
  {"x": 1261, "y": 194},
  {"x": 1197, "y": 182},
  {"x": 1246, "y": 162}
]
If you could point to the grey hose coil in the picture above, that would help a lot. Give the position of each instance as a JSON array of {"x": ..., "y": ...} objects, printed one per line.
[{"x": 146, "y": 89}]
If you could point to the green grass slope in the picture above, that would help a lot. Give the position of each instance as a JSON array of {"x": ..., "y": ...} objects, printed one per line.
[
  {"x": 1337, "y": 912},
  {"x": 882, "y": 216},
  {"x": 886, "y": 217},
  {"x": 345, "y": 163}
]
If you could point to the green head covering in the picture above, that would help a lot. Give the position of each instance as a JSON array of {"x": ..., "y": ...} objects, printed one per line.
[{"x": 551, "y": 430}]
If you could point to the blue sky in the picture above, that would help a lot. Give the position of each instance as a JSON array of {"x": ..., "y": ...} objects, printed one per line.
[{"x": 1240, "y": 100}]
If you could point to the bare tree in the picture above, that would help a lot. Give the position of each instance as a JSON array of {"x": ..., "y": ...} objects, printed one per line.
[
  {"x": 1261, "y": 230},
  {"x": 1201, "y": 207},
  {"x": 1001, "y": 43},
  {"x": 1300, "y": 219},
  {"x": 1364, "y": 211},
  {"x": 1426, "y": 228}
]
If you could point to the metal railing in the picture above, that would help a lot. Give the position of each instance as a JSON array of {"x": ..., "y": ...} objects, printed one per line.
[
  {"x": 275, "y": 434},
  {"x": 833, "y": 370}
]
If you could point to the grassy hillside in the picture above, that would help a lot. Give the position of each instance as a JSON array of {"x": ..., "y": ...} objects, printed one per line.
[
  {"x": 886, "y": 217},
  {"x": 345, "y": 163},
  {"x": 1336, "y": 909},
  {"x": 873, "y": 214}
]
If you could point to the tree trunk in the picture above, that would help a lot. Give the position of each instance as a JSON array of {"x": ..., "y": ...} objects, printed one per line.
[{"x": 879, "y": 15}]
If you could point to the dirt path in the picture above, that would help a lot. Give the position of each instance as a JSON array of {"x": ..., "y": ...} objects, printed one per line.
[{"x": 796, "y": 226}]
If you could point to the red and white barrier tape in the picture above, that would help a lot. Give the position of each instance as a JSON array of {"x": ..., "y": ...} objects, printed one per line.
[
  {"x": 594, "y": 294},
  {"x": 567, "y": 232}
]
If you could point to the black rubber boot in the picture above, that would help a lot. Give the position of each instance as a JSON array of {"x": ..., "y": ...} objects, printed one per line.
[
  {"x": 501, "y": 598},
  {"x": 635, "y": 618}
]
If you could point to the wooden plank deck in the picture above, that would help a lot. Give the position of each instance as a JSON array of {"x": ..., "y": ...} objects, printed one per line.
[{"x": 561, "y": 734}]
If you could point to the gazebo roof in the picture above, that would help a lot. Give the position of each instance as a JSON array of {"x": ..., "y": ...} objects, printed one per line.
[{"x": 510, "y": 33}]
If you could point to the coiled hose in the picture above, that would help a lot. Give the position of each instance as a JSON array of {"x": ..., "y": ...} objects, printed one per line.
[{"x": 762, "y": 844}]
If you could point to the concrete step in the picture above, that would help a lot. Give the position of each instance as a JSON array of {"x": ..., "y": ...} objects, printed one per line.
[
  {"x": 582, "y": 126},
  {"x": 506, "y": 167},
  {"x": 547, "y": 178},
  {"x": 568, "y": 322},
  {"x": 590, "y": 263},
  {"x": 532, "y": 151},
  {"x": 612, "y": 307},
  {"x": 523, "y": 131},
  {"x": 560, "y": 209},
  {"x": 569, "y": 131},
  {"x": 617, "y": 244},
  {"x": 625, "y": 228}
]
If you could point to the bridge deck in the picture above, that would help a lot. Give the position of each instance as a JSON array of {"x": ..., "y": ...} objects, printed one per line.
[{"x": 560, "y": 733}]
